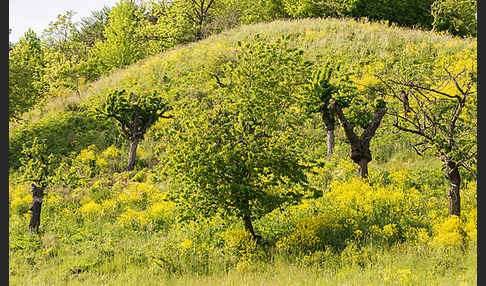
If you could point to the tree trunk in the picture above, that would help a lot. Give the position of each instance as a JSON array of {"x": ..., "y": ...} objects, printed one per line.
[
  {"x": 454, "y": 195},
  {"x": 133, "y": 153},
  {"x": 330, "y": 144},
  {"x": 363, "y": 168},
  {"x": 249, "y": 226},
  {"x": 35, "y": 208}
]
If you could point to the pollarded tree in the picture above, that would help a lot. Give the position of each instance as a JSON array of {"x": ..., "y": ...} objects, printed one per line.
[
  {"x": 36, "y": 168},
  {"x": 350, "y": 106},
  {"x": 360, "y": 145},
  {"x": 134, "y": 115},
  {"x": 442, "y": 112},
  {"x": 235, "y": 150},
  {"x": 316, "y": 99}
]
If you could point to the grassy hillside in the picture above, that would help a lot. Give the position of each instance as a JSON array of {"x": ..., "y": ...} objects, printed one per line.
[
  {"x": 122, "y": 228},
  {"x": 186, "y": 71}
]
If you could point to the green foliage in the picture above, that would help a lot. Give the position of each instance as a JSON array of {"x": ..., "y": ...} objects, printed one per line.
[
  {"x": 63, "y": 133},
  {"x": 36, "y": 165},
  {"x": 313, "y": 8},
  {"x": 458, "y": 17},
  {"x": 232, "y": 154},
  {"x": 25, "y": 71},
  {"x": 403, "y": 12},
  {"x": 133, "y": 114},
  {"x": 122, "y": 46}
]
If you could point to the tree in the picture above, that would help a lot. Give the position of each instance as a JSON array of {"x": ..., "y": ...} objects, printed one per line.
[
  {"x": 122, "y": 46},
  {"x": 235, "y": 150},
  {"x": 134, "y": 115},
  {"x": 442, "y": 114},
  {"x": 65, "y": 56},
  {"x": 342, "y": 101},
  {"x": 199, "y": 14},
  {"x": 360, "y": 146},
  {"x": 25, "y": 66},
  {"x": 36, "y": 168},
  {"x": 316, "y": 99},
  {"x": 92, "y": 27}
]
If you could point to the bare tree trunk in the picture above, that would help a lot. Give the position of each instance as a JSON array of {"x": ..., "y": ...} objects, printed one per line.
[
  {"x": 454, "y": 195},
  {"x": 249, "y": 225},
  {"x": 329, "y": 125},
  {"x": 35, "y": 208},
  {"x": 360, "y": 146},
  {"x": 247, "y": 221},
  {"x": 330, "y": 144},
  {"x": 363, "y": 168},
  {"x": 133, "y": 153}
]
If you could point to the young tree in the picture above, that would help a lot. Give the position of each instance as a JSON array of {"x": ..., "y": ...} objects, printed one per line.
[
  {"x": 236, "y": 150},
  {"x": 199, "y": 14},
  {"x": 36, "y": 168},
  {"x": 442, "y": 114},
  {"x": 25, "y": 71},
  {"x": 122, "y": 46},
  {"x": 134, "y": 115}
]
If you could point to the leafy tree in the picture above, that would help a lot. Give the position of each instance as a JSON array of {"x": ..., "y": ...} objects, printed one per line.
[
  {"x": 122, "y": 46},
  {"x": 92, "y": 27},
  {"x": 441, "y": 111},
  {"x": 65, "y": 56},
  {"x": 36, "y": 168},
  {"x": 134, "y": 115},
  {"x": 25, "y": 66},
  {"x": 235, "y": 150}
]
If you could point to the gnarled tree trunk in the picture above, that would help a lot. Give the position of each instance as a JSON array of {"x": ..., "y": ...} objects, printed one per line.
[
  {"x": 360, "y": 146},
  {"x": 35, "y": 208}
]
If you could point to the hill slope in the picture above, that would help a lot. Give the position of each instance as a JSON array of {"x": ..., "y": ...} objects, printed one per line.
[{"x": 187, "y": 71}]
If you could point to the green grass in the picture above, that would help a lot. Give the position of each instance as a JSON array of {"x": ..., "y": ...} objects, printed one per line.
[{"x": 405, "y": 264}]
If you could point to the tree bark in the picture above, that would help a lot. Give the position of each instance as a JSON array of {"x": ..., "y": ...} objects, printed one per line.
[
  {"x": 35, "y": 208},
  {"x": 363, "y": 168},
  {"x": 249, "y": 225},
  {"x": 330, "y": 144},
  {"x": 329, "y": 125},
  {"x": 133, "y": 153},
  {"x": 454, "y": 178}
]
